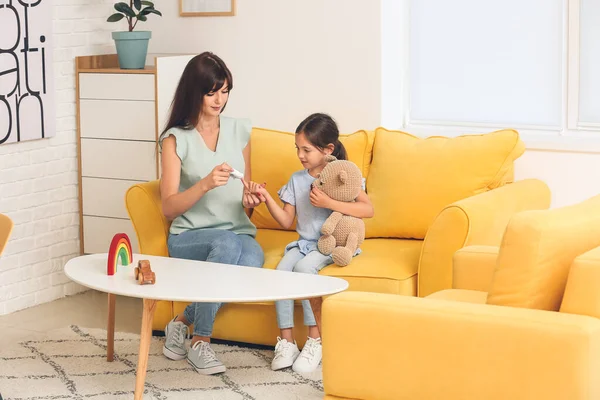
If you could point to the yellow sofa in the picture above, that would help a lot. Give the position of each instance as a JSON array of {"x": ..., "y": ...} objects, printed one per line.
[
  {"x": 431, "y": 197},
  {"x": 521, "y": 323}
]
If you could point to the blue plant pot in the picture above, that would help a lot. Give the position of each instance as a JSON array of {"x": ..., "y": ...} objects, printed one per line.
[{"x": 132, "y": 48}]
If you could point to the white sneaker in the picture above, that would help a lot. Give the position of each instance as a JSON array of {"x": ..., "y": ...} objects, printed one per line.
[
  {"x": 174, "y": 347},
  {"x": 310, "y": 357},
  {"x": 285, "y": 354}
]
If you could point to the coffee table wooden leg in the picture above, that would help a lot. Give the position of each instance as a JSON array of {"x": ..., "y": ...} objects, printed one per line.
[
  {"x": 315, "y": 305},
  {"x": 146, "y": 337},
  {"x": 110, "y": 329}
]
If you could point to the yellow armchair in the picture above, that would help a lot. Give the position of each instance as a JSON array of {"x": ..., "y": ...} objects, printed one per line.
[{"x": 522, "y": 322}]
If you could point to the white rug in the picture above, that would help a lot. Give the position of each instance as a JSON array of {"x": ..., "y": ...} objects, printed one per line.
[{"x": 71, "y": 364}]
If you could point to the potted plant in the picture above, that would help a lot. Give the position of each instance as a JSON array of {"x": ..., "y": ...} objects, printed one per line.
[{"x": 132, "y": 47}]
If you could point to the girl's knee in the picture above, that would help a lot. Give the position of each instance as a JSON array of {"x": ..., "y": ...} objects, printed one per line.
[{"x": 305, "y": 267}]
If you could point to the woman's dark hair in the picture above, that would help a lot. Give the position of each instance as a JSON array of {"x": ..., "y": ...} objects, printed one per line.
[
  {"x": 321, "y": 130},
  {"x": 203, "y": 74}
]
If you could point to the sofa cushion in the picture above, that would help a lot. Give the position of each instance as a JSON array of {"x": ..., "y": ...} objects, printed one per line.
[
  {"x": 273, "y": 243},
  {"x": 274, "y": 160},
  {"x": 385, "y": 265},
  {"x": 582, "y": 296},
  {"x": 537, "y": 251},
  {"x": 411, "y": 179}
]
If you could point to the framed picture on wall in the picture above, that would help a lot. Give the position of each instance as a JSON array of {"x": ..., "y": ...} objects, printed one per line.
[{"x": 206, "y": 8}]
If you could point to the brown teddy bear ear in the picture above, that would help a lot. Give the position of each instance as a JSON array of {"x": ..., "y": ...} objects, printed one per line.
[
  {"x": 330, "y": 158},
  {"x": 343, "y": 176}
]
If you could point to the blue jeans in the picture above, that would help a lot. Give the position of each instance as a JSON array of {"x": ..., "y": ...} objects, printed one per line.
[
  {"x": 218, "y": 246},
  {"x": 295, "y": 261}
]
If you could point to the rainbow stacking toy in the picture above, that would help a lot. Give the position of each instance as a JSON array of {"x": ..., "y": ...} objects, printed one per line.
[{"x": 120, "y": 248}]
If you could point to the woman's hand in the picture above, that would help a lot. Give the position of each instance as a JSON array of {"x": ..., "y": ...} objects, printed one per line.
[
  {"x": 219, "y": 176},
  {"x": 319, "y": 199}
]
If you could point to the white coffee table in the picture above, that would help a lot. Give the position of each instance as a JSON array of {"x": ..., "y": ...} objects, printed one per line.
[{"x": 194, "y": 281}]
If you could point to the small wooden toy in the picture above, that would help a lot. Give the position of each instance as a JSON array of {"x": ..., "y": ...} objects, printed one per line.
[
  {"x": 120, "y": 248},
  {"x": 144, "y": 274}
]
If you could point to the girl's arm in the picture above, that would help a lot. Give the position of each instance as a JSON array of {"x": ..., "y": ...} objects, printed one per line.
[
  {"x": 284, "y": 216},
  {"x": 360, "y": 208},
  {"x": 174, "y": 203}
]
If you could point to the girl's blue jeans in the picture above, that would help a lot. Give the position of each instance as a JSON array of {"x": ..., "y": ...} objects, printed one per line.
[
  {"x": 295, "y": 261},
  {"x": 219, "y": 246}
]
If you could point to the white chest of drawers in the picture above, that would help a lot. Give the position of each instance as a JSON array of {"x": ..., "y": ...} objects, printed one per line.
[{"x": 117, "y": 145}]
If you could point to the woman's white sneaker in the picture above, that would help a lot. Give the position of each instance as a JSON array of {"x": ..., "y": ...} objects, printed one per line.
[
  {"x": 285, "y": 354},
  {"x": 310, "y": 357}
]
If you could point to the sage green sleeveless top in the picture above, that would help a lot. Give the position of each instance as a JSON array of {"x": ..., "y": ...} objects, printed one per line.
[{"x": 220, "y": 208}]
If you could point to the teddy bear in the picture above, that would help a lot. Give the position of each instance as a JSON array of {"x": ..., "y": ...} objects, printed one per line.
[{"x": 342, "y": 235}]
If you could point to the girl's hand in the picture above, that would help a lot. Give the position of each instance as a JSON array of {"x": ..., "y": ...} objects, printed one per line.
[
  {"x": 250, "y": 198},
  {"x": 319, "y": 199},
  {"x": 219, "y": 176},
  {"x": 259, "y": 190}
]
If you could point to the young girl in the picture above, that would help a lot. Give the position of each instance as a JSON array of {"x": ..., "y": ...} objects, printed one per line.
[{"x": 316, "y": 137}]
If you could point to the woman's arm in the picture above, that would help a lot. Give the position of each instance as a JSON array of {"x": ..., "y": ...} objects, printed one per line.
[
  {"x": 174, "y": 203},
  {"x": 249, "y": 201},
  {"x": 360, "y": 208}
]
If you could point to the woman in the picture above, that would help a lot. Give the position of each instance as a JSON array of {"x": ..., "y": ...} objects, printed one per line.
[{"x": 210, "y": 211}]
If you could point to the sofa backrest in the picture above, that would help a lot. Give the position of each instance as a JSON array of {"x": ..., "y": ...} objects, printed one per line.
[
  {"x": 411, "y": 179},
  {"x": 537, "y": 251},
  {"x": 274, "y": 160}
]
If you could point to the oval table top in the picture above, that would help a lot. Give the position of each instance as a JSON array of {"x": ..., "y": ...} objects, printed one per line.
[{"x": 200, "y": 281}]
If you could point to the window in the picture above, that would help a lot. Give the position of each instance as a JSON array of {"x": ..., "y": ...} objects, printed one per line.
[{"x": 471, "y": 65}]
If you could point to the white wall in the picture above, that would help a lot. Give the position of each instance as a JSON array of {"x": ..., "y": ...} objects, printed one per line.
[
  {"x": 38, "y": 179},
  {"x": 289, "y": 59},
  {"x": 571, "y": 176}
]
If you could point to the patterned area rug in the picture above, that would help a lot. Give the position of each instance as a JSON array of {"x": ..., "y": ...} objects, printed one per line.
[{"x": 71, "y": 364}]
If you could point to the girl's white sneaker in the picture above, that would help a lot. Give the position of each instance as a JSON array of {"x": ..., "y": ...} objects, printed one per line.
[
  {"x": 309, "y": 358},
  {"x": 285, "y": 354}
]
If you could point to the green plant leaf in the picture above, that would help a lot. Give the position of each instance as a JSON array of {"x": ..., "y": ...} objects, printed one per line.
[
  {"x": 125, "y": 9},
  {"x": 142, "y": 17},
  {"x": 147, "y": 3},
  {"x": 115, "y": 17},
  {"x": 150, "y": 10},
  {"x": 137, "y": 4}
]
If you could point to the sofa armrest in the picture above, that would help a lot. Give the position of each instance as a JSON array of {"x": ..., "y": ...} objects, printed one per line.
[
  {"x": 145, "y": 211},
  {"x": 473, "y": 267},
  {"x": 381, "y": 346},
  {"x": 476, "y": 220}
]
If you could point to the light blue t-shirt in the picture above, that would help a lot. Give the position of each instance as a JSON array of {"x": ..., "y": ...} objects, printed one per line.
[
  {"x": 220, "y": 208},
  {"x": 309, "y": 219}
]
